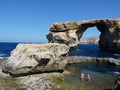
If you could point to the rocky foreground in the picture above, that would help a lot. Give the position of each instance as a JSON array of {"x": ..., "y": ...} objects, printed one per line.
[
  {"x": 43, "y": 81},
  {"x": 36, "y": 58},
  {"x": 39, "y": 81}
]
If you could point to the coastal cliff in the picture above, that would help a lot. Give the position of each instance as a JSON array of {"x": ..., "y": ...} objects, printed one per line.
[{"x": 70, "y": 33}]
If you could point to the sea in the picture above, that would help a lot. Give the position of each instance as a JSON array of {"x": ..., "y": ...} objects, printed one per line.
[
  {"x": 91, "y": 50},
  {"x": 102, "y": 75},
  {"x": 6, "y": 48}
]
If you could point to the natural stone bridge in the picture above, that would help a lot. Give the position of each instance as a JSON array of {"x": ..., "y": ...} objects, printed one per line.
[
  {"x": 38, "y": 58},
  {"x": 70, "y": 33}
]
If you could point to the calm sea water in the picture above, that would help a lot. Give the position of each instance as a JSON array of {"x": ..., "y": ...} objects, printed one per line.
[
  {"x": 92, "y": 50},
  {"x": 102, "y": 75},
  {"x": 82, "y": 50},
  {"x": 6, "y": 48}
]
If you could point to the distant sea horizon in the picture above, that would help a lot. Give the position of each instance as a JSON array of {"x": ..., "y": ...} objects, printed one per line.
[
  {"x": 91, "y": 50},
  {"x": 7, "y": 47}
]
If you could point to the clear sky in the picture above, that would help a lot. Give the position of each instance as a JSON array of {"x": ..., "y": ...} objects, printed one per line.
[{"x": 30, "y": 20}]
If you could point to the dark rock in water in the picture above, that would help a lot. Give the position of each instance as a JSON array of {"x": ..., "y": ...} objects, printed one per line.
[
  {"x": 117, "y": 84},
  {"x": 70, "y": 33},
  {"x": 36, "y": 58}
]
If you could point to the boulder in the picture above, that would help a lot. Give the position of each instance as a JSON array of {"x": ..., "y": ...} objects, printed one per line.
[
  {"x": 70, "y": 33},
  {"x": 36, "y": 58}
]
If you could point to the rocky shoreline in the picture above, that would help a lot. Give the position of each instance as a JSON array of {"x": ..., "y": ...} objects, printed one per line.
[
  {"x": 43, "y": 81},
  {"x": 29, "y": 59},
  {"x": 39, "y": 81},
  {"x": 78, "y": 59}
]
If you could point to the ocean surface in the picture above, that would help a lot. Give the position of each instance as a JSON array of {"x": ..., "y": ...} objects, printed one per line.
[
  {"x": 102, "y": 75},
  {"x": 6, "y": 48},
  {"x": 91, "y": 50}
]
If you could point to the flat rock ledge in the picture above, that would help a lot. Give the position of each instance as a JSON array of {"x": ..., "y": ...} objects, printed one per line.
[
  {"x": 43, "y": 81},
  {"x": 78, "y": 59},
  {"x": 39, "y": 81},
  {"x": 36, "y": 58}
]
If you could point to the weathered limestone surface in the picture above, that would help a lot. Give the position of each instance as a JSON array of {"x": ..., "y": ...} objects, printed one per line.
[
  {"x": 33, "y": 58},
  {"x": 70, "y": 33},
  {"x": 39, "y": 81}
]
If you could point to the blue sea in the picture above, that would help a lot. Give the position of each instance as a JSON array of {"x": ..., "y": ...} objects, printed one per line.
[
  {"x": 102, "y": 74},
  {"x": 6, "y": 48},
  {"x": 91, "y": 50}
]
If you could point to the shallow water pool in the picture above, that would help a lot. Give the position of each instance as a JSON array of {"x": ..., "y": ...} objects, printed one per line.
[{"x": 102, "y": 76}]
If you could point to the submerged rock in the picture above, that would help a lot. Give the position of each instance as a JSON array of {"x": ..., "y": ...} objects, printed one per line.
[
  {"x": 70, "y": 33},
  {"x": 36, "y": 58},
  {"x": 117, "y": 84}
]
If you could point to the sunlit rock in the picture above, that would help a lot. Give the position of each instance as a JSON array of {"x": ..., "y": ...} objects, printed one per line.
[
  {"x": 36, "y": 58},
  {"x": 70, "y": 33}
]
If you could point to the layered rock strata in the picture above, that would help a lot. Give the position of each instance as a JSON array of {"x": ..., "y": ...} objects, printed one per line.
[
  {"x": 70, "y": 33},
  {"x": 36, "y": 58}
]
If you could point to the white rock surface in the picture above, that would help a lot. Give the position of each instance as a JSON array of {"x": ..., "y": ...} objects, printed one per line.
[{"x": 34, "y": 58}]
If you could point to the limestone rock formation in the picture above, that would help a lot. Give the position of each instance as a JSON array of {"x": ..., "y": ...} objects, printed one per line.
[
  {"x": 35, "y": 58},
  {"x": 70, "y": 33}
]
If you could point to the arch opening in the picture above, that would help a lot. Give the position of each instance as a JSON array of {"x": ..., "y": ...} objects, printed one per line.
[
  {"x": 89, "y": 43},
  {"x": 90, "y": 36}
]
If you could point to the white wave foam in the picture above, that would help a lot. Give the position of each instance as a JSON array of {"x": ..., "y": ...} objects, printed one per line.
[
  {"x": 116, "y": 72},
  {"x": 1, "y": 57},
  {"x": 4, "y": 57}
]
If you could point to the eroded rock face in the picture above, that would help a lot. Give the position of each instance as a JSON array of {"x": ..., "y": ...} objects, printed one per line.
[
  {"x": 33, "y": 58},
  {"x": 70, "y": 33}
]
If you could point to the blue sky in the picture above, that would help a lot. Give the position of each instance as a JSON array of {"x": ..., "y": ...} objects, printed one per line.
[{"x": 30, "y": 20}]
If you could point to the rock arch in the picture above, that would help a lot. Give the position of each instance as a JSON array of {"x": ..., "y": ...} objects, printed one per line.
[
  {"x": 35, "y": 58},
  {"x": 70, "y": 33}
]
